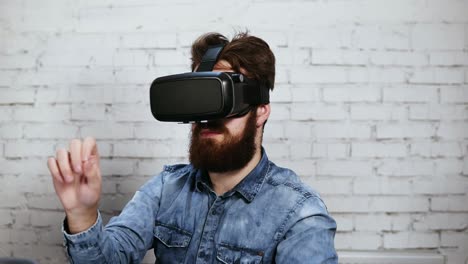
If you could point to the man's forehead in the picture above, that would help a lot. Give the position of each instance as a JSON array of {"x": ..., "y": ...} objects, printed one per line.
[
  {"x": 225, "y": 66},
  {"x": 222, "y": 65}
]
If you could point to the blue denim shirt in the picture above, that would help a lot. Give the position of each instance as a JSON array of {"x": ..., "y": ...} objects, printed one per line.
[{"x": 269, "y": 217}]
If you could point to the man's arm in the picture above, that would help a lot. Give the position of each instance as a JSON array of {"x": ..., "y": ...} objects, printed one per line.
[
  {"x": 76, "y": 177},
  {"x": 125, "y": 239},
  {"x": 311, "y": 238}
]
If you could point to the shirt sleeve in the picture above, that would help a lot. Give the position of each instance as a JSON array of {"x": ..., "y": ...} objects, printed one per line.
[
  {"x": 311, "y": 238},
  {"x": 126, "y": 238}
]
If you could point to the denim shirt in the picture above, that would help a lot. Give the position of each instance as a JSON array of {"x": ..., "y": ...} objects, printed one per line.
[{"x": 269, "y": 217}]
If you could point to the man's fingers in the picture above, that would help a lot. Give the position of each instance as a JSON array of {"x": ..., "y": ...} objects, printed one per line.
[
  {"x": 91, "y": 161},
  {"x": 89, "y": 148},
  {"x": 92, "y": 171},
  {"x": 64, "y": 165},
  {"x": 75, "y": 155},
  {"x": 54, "y": 170}
]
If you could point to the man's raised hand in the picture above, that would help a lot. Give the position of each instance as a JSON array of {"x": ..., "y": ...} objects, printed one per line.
[{"x": 77, "y": 180}]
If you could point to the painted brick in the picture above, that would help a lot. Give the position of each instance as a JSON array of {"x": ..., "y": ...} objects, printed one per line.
[
  {"x": 453, "y": 130},
  {"x": 405, "y": 130},
  {"x": 298, "y": 130},
  {"x": 131, "y": 113},
  {"x": 5, "y": 217},
  {"x": 322, "y": 74},
  {"x": 130, "y": 94},
  {"x": 304, "y": 168},
  {"x": 149, "y": 40},
  {"x": 339, "y": 57},
  {"x": 344, "y": 168},
  {"x": 407, "y": 167},
  {"x": 439, "y": 186},
  {"x": 341, "y": 130},
  {"x": 11, "y": 131},
  {"x": 305, "y": 94},
  {"x": 440, "y": 221},
  {"x": 381, "y": 150},
  {"x": 28, "y": 148},
  {"x": 323, "y": 38},
  {"x": 299, "y": 150},
  {"x": 448, "y": 167},
  {"x": 415, "y": 240},
  {"x": 382, "y": 186},
  {"x": 351, "y": 94},
  {"x": 55, "y": 95},
  {"x": 379, "y": 36},
  {"x": 42, "y": 113},
  {"x": 377, "y": 222},
  {"x": 50, "y": 131},
  {"x": 304, "y": 112},
  {"x": 347, "y": 204},
  {"x": 448, "y": 58},
  {"x": 161, "y": 130},
  {"x": 394, "y": 204},
  {"x": 437, "y": 76},
  {"x": 437, "y": 37},
  {"x": 88, "y": 112},
  {"x": 372, "y": 222},
  {"x": 171, "y": 57},
  {"x": 141, "y": 149},
  {"x": 409, "y": 93},
  {"x": 282, "y": 94},
  {"x": 453, "y": 239},
  {"x": 436, "y": 149},
  {"x": 403, "y": 58},
  {"x": 45, "y": 202},
  {"x": 90, "y": 95},
  {"x": 6, "y": 113},
  {"x": 383, "y": 112},
  {"x": 369, "y": 241},
  {"x": 17, "y": 96},
  {"x": 17, "y": 61},
  {"x": 275, "y": 130},
  {"x": 438, "y": 112},
  {"x": 454, "y": 94},
  {"x": 330, "y": 186},
  {"x": 117, "y": 166},
  {"x": 344, "y": 222},
  {"x": 280, "y": 112},
  {"x": 330, "y": 150},
  {"x": 107, "y": 130}
]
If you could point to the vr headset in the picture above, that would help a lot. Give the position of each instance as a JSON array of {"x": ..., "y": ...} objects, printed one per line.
[{"x": 205, "y": 95}]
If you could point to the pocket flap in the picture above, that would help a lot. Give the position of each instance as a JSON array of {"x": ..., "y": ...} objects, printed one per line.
[
  {"x": 230, "y": 255},
  {"x": 172, "y": 236}
]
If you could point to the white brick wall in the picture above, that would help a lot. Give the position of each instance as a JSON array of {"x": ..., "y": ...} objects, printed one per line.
[{"x": 370, "y": 108}]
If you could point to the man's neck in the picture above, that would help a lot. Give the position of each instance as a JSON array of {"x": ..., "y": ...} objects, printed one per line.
[{"x": 225, "y": 181}]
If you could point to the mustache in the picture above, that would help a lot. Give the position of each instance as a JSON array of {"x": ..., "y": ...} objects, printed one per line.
[{"x": 215, "y": 126}]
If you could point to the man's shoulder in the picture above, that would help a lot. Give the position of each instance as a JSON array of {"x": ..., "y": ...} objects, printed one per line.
[
  {"x": 170, "y": 174},
  {"x": 289, "y": 184},
  {"x": 288, "y": 180}
]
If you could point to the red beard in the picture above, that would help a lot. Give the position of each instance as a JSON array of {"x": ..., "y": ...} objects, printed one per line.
[{"x": 232, "y": 153}]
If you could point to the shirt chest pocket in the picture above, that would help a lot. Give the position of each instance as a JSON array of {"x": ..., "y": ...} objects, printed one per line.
[
  {"x": 170, "y": 243},
  {"x": 233, "y": 255}
]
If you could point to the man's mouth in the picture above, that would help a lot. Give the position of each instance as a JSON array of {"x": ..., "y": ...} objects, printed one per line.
[{"x": 205, "y": 132}]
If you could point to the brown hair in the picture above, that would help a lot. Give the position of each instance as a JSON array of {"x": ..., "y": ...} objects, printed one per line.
[{"x": 243, "y": 51}]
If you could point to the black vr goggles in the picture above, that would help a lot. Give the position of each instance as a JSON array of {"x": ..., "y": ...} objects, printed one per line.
[{"x": 205, "y": 95}]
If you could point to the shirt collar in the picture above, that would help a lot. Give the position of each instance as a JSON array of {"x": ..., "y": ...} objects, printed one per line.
[{"x": 248, "y": 187}]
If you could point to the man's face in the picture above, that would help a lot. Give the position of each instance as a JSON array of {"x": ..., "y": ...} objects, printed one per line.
[{"x": 226, "y": 144}]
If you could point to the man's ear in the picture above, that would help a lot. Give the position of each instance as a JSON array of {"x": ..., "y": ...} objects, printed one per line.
[{"x": 263, "y": 113}]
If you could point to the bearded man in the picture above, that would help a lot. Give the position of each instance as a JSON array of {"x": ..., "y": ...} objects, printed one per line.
[{"x": 231, "y": 204}]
